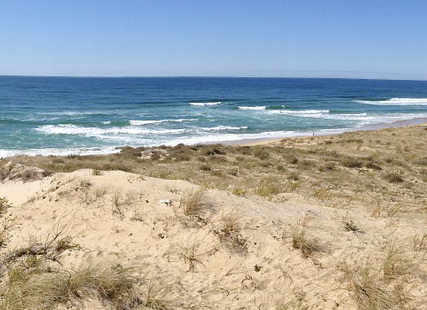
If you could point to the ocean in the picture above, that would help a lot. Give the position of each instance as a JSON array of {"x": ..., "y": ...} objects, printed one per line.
[{"x": 67, "y": 115}]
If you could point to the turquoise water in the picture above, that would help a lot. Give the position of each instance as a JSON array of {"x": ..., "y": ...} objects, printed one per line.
[{"x": 61, "y": 115}]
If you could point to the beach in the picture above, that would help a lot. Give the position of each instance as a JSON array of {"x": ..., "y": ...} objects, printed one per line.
[
  {"x": 319, "y": 222},
  {"x": 213, "y": 155},
  {"x": 377, "y": 126}
]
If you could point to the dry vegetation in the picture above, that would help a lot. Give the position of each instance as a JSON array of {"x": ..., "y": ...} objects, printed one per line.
[
  {"x": 37, "y": 287},
  {"x": 343, "y": 166},
  {"x": 34, "y": 278},
  {"x": 334, "y": 222}
]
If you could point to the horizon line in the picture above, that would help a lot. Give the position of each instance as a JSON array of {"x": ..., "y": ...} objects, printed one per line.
[{"x": 208, "y": 76}]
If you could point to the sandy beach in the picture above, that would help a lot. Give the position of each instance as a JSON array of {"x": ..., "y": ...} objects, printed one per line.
[
  {"x": 320, "y": 222},
  {"x": 403, "y": 123}
]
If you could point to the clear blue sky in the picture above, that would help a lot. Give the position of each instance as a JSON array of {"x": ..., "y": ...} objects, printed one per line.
[{"x": 314, "y": 38}]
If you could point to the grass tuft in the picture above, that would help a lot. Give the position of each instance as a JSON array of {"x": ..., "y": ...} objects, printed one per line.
[
  {"x": 229, "y": 234},
  {"x": 46, "y": 289},
  {"x": 194, "y": 203},
  {"x": 268, "y": 187},
  {"x": 4, "y": 205},
  {"x": 393, "y": 177},
  {"x": 395, "y": 263},
  {"x": 351, "y": 226},
  {"x": 369, "y": 291},
  {"x": 420, "y": 243},
  {"x": 300, "y": 241}
]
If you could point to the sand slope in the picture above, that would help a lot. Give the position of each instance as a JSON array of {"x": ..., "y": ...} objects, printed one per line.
[{"x": 236, "y": 253}]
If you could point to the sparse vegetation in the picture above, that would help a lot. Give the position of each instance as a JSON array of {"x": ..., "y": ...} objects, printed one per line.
[
  {"x": 5, "y": 227},
  {"x": 420, "y": 243},
  {"x": 194, "y": 203},
  {"x": 351, "y": 226},
  {"x": 85, "y": 183},
  {"x": 100, "y": 191},
  {"x": 65, "y": 243},
  {"x": 395, "y": 263},
  {"x": 155, "y": 296},
  {"x": 268, "y": 187},
  {"x": 136, "y": 216},
  {"x": 116, "y": 200},
  {"x": 238, "y": 191},
  {"x": 14, "y": 171},
  {"x": 245, "y": 166},
  {"x": 302, "y": 242},
  {"x": 4, "y": 204},
  {"x": 393, "y": 177},
  {"x": 229, "y": 234},
  {"x": 44, "y": 288},
  {"x": 96, "y": 172},
  {"x": 369, "y": 291},
  {"x": 191, "y": 256},
  {"x": 352, "y": 162}
]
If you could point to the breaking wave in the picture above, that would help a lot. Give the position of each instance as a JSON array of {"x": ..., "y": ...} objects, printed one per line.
[
  {"x": 252, "y": 108},
  {"x": 302, "y": 113},
  {"x": 150, "y": 122},
  {"x": 203, "y": 104},
  {"x": 395, "y": 101},
  {"x": 222, "y": 128},
  {"x": 68, "y": 129}
]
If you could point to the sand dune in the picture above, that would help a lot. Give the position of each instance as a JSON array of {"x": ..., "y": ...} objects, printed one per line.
[{"x": 199, "y": 246}]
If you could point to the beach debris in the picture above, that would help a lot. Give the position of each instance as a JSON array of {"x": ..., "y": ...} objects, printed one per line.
[{"x": 167, "y": 202}]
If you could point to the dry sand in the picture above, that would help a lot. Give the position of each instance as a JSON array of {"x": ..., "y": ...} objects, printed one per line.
[{"x": 287, "y": 250}]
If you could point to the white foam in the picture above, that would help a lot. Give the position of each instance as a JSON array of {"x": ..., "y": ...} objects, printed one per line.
[
  {"x": 389, "y": 118},
  {"x": 202, "y": 104},
  {"x": 71, "y": 113},
  {"x": 149, "y": 122},
  {"x": 302, "y": 113},
  {"x": 107, "y": 122},
  {"x": 69, "y": 129},
  {"x": 220, "y": 138},
  {"x": 222, "y": 128},
  {"x": 363, "y": 118},
  {"x": 347, "y": 117},
  {"x": 255, "y": 108},
  {"x": 30, "y": 119},
  {"x": 395, "y": 101},
  {"x": 140, "y": 122},
  {"x": 60, "y": 152}
]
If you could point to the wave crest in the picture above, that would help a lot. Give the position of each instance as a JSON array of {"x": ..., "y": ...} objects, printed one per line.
[
  {"x": 69, "y": 129},
  {"x": 203, "y": 104},
  {"x": 149, "y": 122},
  {"x": 222, "y": 128},
  {"x": 395, "y": 101},
  {"x": 255, "y": 108},
  {"x": 303, "y": 113}
]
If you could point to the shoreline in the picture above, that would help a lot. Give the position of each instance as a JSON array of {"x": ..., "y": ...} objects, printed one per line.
[
  {"x": 370, "y": 127},
  {"x": 244, "y": 142}
]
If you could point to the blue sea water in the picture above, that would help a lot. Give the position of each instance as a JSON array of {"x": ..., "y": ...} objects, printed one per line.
[{"x": 65, "y": 115}]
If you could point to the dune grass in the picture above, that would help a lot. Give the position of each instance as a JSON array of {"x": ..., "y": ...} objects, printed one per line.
[
  {"x": 369, "y": 291},
  {"x": 41, "y": 288},
  {"x": 301, "y": 241},
  {"x": 194, "y": 203}
]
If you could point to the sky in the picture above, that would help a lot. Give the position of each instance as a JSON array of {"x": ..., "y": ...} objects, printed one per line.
[{"x": 292, "y": 38}]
